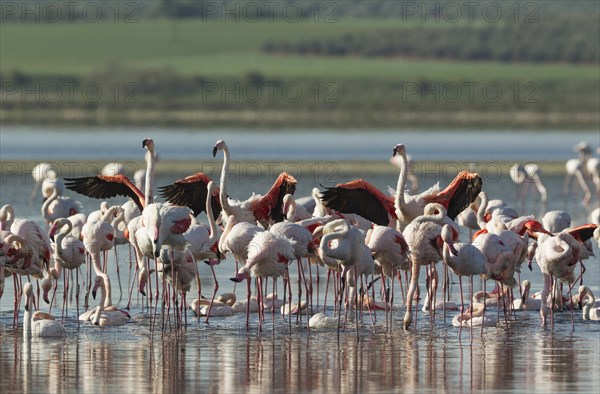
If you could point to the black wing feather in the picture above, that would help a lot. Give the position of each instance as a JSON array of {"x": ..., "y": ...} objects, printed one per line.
[
  {"x": 357, "y": 201},
  {"x": 191, "y": 195},
  {"x": 101, "y": 187},
  {"x": 466, "y": 193}
]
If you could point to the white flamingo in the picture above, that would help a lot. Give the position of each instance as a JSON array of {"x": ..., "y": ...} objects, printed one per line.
[
  {"x": 105, "y": 314},
  {"x": 268, "y": 256},
  {"x": 423, "y": 236},
  {"x": 463, "y": 259},
  {"x": 41, "y": 172},
  {"x": 69, "y": 252},
  {"x": 364, "y": 199},
  {"x": 587, "y": 302},
  {"x": 58, "y": 206},
  {"x": 262, "y": 209},
  {"x": 556, "y": 221},
  {"x": 39, "y": 324}
]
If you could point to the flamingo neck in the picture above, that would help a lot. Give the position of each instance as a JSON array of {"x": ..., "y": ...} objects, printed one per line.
[
  {"x": 211, "y": 219},
  {"x": 102, "y": 304},
  {"x": 340, "y": 252},
  {"x": 481, "y": 211},
  {"x": 399, "y": 202},
  {"x": 290, "y": 215},
  {"x": 107, "y": 216},
  {"x": 222, "y": 241},
  {"x": 149, "y": 189},
  {"x": 62, "y": 234},
  {"x": 27, "y": 319},
  {"x": 46, "y": 204},
  {"x": 224, "y": 171},
  {"x": 7, "y": 214}
]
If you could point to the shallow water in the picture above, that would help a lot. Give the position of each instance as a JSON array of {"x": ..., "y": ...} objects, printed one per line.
[
  {"x": 518, "y": 356},
  {"x": 325, "y": 145}
]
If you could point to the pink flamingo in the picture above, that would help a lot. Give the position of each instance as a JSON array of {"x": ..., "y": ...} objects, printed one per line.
[
  {"x": 69, "y": 252},
  {"x": 268, "y": 256},
  {"x": 262, "y": 209},
  {"x": 364, "y": 199}
]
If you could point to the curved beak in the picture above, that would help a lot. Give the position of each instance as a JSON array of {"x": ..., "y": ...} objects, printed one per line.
[
  {"x": 238, "y": 278},
  {"x": 215, "y": 151}
]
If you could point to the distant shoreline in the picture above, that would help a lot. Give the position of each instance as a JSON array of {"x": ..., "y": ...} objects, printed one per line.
[
  {"x": 305, "y": 118},
  {"x": 312, "y": 167}
]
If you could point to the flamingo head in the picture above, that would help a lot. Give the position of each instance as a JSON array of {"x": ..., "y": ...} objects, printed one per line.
[
  {"x": 399, "y": 150},
  {"x": 447, "y": 236},
  {"x": 97, "y": 284},
  {"x": 53, "y": 230},
  {"x": 220, "y": 145},
  {"x": 148, "y": 143},
  {"x": 241, "y": 275},
  {"x": 27, "y": 289},
  {"x": 533, "y": 227}
]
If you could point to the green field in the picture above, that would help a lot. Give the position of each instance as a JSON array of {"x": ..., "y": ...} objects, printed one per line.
[
  {"x": 368, "y": 90},
  {"x": 215, "y": 49}
]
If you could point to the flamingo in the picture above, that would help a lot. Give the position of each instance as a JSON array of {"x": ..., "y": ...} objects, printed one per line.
[
  {"x": 36, "y": 238},
  {"x": 105, "y": 314},
  {"x": 352, "y": 253},
  {"x": 262, "y": 209},
  {"x": 236, "y": 237},
  {"x": 112, "y": 169},
  {"x": 192, "y": 192},
  {"x": 204, "y": 241},
  {"x": 40, "y": 173},
  {"x": 499, "y": 258},
  {"x": 99, "y": 237},
  {"x": 303, "y": 243},
  {"x": 474, "y": 316},
  {"x": 106, "y": 186},
  {"x": 57, "y": 206},
  {"x": 320, "y": 321},
  {"x": 574, "y": 169},
  {"x": 526, "y": 302},
  {"x": 523, "y": 176},
  {"x": 203, "y": 308},
  {"x": 39, "y": 324},
  {"x": 590, "y": 166},
  {"x": 587, "y": 303},
  {"x": 268, "y": 256},
  {"x": 390, "y": 252},
  {"x": 177, "y": 267},
  {"x": 410, "y": 171},
  {"x": 294, "y": 212},
  {"x": 423, "y": 236},
  {"x": 557, "y": 256},
  {"x": 463, "y": 259},
  {"x": 69, "y": 253},
  {"x": 556, "y": 221},
  {"x": 364, "y": 199},
  {"x": 468, "y": 218},
  {"x": 162, "y": 224}
]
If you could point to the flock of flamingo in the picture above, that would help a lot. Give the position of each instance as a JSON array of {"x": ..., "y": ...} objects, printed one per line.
[{"x": 360, "y": 234}]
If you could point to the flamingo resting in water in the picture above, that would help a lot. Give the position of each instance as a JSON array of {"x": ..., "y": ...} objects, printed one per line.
[{"x": 39, "y": 324}]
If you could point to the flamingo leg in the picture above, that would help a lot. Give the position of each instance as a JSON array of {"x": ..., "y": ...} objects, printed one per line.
[
  {"x": 414, "y": 285},
  {"x": 212, "y": 299}
]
